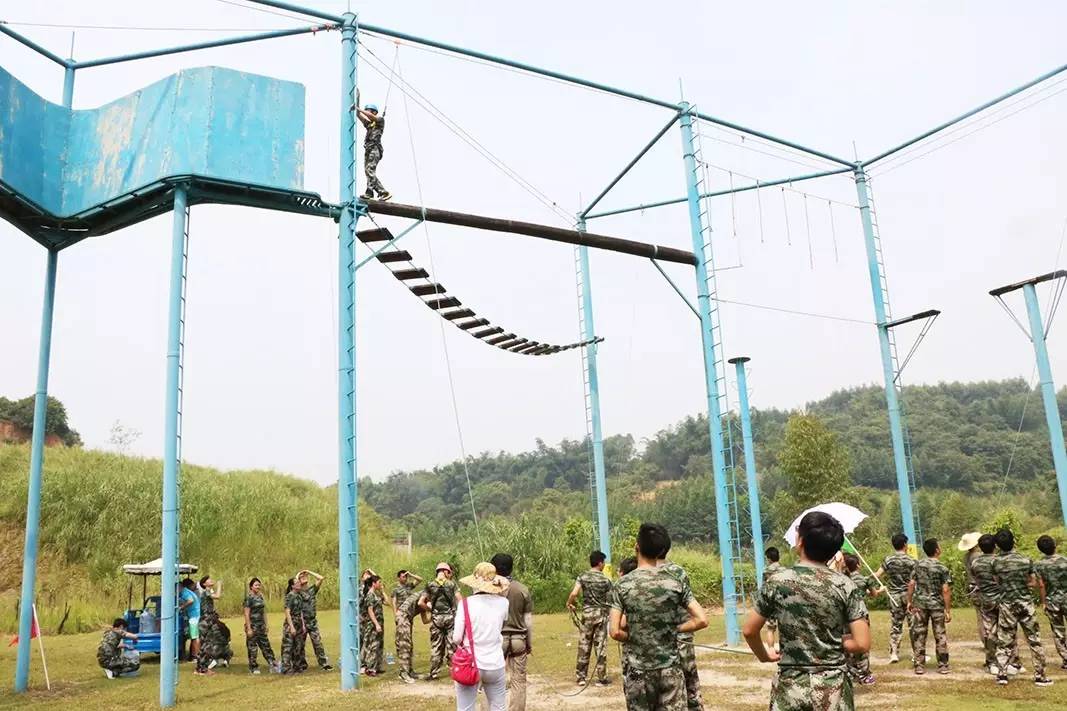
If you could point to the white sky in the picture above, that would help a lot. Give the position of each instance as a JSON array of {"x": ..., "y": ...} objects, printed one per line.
[{"x": 261, "y": 349}]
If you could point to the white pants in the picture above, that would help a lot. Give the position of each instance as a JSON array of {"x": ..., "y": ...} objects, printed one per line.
[{"x": 493, "y": 685}]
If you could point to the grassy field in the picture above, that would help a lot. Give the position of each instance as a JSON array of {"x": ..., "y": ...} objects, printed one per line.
[{"x": 730, "y": 681}]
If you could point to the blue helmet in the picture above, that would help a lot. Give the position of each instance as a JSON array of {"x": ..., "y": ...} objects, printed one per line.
[{"x": 371, "y": 107}]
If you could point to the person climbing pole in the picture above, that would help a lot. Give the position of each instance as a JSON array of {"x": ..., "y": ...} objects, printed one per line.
[{"x": 372, "y": 150}]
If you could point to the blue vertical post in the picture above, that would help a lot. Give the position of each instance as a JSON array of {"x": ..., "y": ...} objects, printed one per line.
[
  {"x": 40, "y": 417},
  {"x": 750, "y": 467},
  {"x": 594, "y": 401},
  {"x": 722, "y": 518},
  {"x": 168, "y": 648},
  {"x": 896, "y": 428},
  {"x": 347, "y": 495},
  {"x": 1048, "y": 393}
]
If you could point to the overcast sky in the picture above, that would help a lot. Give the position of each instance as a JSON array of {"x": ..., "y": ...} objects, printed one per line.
[{"x": 977, "y": 213}]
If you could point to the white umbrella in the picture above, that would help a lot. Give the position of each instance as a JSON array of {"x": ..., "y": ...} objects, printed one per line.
[{"x": 848, "y": 516}]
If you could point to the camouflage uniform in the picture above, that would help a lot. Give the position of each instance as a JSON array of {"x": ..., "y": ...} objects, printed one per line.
[
  {"x": 986, "y": 595},
  {"x": 814, "y": 606},
  {"x": 686, "y": 652},
  {"x": 930, "y": 575},
  {"x": 441, "y": 596},
  {"x": 404, "y": 603},
  {"x": 859, "y": 665},
  {"x": 1052, "y": 570},
  {"x": 214, "y": 635},
  {"x": 651, "y": 599},
  {"x": 372, "y": 155},
  {"x": 293, "y": 644},
  {"x": 768, "y": 571},
  {"x": 310, "y": 594},
  {"x": 596, "y": 599},
  {"x": 897, "y": 569},
  {"x": 258, "y": 640},
  {"x": 371, "y": 650},
  {"x": 1013, "y": 572},
  {"x": 110, "y": 657}
]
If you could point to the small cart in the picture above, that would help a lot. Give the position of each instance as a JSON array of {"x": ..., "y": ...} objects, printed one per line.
[{"x": 148, "y": 640}]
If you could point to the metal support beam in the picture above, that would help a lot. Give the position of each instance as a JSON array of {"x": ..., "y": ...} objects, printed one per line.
[
  {"x": 896, "y": 426},
  {"x": 168, "y": 668},
  {"x": 5, "y": 29},
  {"x": 387, "y": 245},
  {"x": 200, "y": 45},
  {"x": 347, "y": 479},
  {"x": 677, "y": 289},
  {"x": 530, "y": 229},
  {"x": 33, "y": 497},
  {"x": 1048, "y": 393},
  {"x": 300, "y": 9},
  {"x": 631, "y": 164},
  {"x": 589, "y": 335},
  {"x": 750, "y": 468},
  {"x": 718, "y": 193},
  {"x": 729, "y": 593}
]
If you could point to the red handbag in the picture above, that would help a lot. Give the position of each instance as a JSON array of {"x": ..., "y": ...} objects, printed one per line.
[{"x": 464, "y": 665}]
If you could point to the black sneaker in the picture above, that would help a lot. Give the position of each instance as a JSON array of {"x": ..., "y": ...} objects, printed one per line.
[
  {"x": 327, "y": 667},
  {"x": 603, "y": 682},
  {"x": 366, "y": 196},
  {"x": 919, "y": 670},
  {"x": 1002, "y": 679},
  {"x": 1042, "y": 681},
  {"x": 385, "y": 196},
  {"x": 1063, "y": 666}
]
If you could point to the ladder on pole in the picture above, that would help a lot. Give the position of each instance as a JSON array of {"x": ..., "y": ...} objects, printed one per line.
[
  {"x": 181, "y": 407},
  {"x": 730, "y": 470},
  {"x": 588, "y": 394},
  {"x": 897, "y": 383}
]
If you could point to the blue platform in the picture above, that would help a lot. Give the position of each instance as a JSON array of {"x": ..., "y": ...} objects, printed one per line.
[{"x": 231, "y": 137}]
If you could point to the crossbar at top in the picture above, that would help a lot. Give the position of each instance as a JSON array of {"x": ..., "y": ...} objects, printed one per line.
[{"x": 1058, "y": 274}]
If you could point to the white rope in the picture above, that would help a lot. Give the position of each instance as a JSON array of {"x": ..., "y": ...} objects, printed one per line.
[{"x": 441, "y": 323}]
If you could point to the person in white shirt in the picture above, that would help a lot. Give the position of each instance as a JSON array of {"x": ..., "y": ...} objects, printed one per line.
[{"x": 488, "y": 610}]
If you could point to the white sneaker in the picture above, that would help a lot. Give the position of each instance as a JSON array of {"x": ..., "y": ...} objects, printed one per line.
[
  {"x": 255, "y": 671},
  {"x": 109, "y": 674},
  {"x": 1012, "y": 671},
  {"x": 893, "y": 658},
  {"x": 212, "y": 664}
]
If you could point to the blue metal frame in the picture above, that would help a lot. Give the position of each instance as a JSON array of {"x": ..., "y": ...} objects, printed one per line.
[
  {"x": 729, "y": 592},
  {"x": 896, "y": 426},
  {"x": 677, "y": 289},
  {"x": 168, "y": 668},
  {"x": 347, "y": 477},
  {"x": 750, "y": 468},
  {"x": 594, "y": 400},
  {"x": 1048, "y": 393}
]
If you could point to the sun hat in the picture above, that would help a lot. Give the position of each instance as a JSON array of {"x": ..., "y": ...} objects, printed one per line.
[
  {"x": 442, "y": 566},
  {"x": 484, "y": 579},
  {"x": 969, "y": 541}
]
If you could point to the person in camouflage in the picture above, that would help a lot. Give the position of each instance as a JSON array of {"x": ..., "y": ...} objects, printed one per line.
[
  {"x": 1015, "y": 574},
  {"x": 109, "y": 653},
  {"x": 986, "y": 595},
  {"x": 310, "y": 592},
  {"x": 439, "y": 599},
  {"x": 595, "y": 589},
  {"x": 372, "y": 150},
  {"x": 859, "y": 665},
  {"x": 822, "y": 619},
  {"x": 645, "y": 608},
  {"x": 293, "y": 631},
  {"x": 896, "y": 570},
  {"x": 773, "y": 556},
  {"x": 256, "y": 633},
  {"x": 687, "y": 656},
  {"x": 1051, "y": 573},
  {"x": 371, "y": 621},
  {"x": 929, "y": 601},
  {"x": 404, "y": 602},
  {"x": 214, "y": 636}
]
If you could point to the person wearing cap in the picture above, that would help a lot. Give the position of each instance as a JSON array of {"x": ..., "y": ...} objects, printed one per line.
[
  {"x": 968, "y": 545},
  {"x": 372, "y": 150},
  {"x": 487, "y": 608},
  {"x": 439, "y": 600}
]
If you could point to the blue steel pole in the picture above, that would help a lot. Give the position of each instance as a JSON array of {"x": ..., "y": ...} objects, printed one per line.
[
  {"x": 896, "y": 428},
  {"x": 696, "y": 226},
  {"x": 168, "y": 668},
  {"x": 594, "y": 400},
  {"x": 40, "y": 416},
  {"x": 33, "y": 499},
  {"x": 750, "y": 468},
  {"x": 347, "y": 494},
  {"x": 1048, "y": 393}
]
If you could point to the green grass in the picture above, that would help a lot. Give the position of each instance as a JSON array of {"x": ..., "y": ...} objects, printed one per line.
[{"x": 730, "y": 681}]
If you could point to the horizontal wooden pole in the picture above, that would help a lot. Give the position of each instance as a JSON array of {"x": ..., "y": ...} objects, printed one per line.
[{"x": 530, "y": 229}]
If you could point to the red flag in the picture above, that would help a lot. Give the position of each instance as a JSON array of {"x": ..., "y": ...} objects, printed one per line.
[{"x": 34, "y": 632}]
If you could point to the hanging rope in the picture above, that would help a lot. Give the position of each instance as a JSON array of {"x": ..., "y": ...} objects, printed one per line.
[
  {"x": 807, "y": 226},
  {"x": 833, "y": 230},
  {"x": 759, "y": 206},
  {"x": 785, "y": 210},
  {"x": 444, "y": 339}
]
